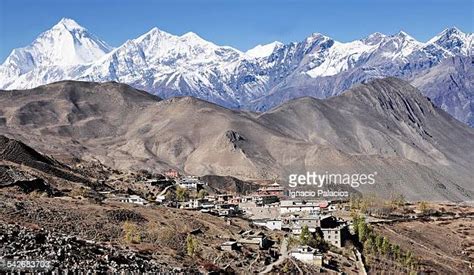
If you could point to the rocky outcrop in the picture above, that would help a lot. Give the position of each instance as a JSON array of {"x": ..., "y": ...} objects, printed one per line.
[{"x": 69, "y": 254}]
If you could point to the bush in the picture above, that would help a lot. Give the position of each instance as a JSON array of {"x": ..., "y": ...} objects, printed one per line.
[
  {"x": 379, "y": 242},
  {"x": 131, "y": 234},
  {"x": 181, "y": 194},
  {"x": 79, "y": 192},
  {"x": 398, "y": 201},
  {"x": 202, "y": 193},
  {"x": 369, "y": 246},
  {"x": 423, "y": 207},
  {"x": 192, "y": 245},
  {"x": 386, "y": 247}
]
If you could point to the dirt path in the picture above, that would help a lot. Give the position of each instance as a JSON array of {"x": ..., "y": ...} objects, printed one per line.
[
  {"x": 284, "y": 255},
  {"x": 359, "y": 262},
  {"x": 164, "y": 190}
]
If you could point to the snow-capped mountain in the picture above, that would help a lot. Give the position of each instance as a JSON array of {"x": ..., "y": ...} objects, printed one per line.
[
  {"x": 263, "y": 50},
  {"x": 66, "y": 44},
  {"x": 454, "y": 41},
  {"x": 259, "y": 79},
  {"x": 168, "y": 65}
]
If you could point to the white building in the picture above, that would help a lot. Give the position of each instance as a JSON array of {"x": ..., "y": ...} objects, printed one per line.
[
  {"x": 296, "y": 229},
  {"x": 198, "y": 204},
  {"x": 132, "y": 199},
  {"x": 160, "y": 198},
  {"x": 307, "y": 254},
  {"x": 294, "y": 206},
  {"x": 271, "y": 224},
  {"x": 189, "y": 182}
]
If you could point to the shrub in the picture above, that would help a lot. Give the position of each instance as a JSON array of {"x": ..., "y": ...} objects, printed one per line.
[
  {"x": 423, "y": 207},
  {"x": 202, "y": 193},
  {"x": 369, "y": 246},
  {"x": 192, "y": 245},
  {"x": 181, "y": 194},
  {"x": 131, "y": 234},
  {"x": 386, "y": 247},
  {"x": 79, "y": 192}
]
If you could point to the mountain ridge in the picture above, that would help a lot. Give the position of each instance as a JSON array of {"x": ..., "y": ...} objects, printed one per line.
[
  {"x": 411, "y": 143},
  {"x": 318, "y": 66}
]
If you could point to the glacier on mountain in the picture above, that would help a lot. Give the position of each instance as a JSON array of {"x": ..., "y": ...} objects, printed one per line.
[{"x": 259, "y": 79}]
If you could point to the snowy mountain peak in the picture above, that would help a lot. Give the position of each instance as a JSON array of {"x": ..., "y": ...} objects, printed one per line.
[
  {"x": 453, "y": 40},
  {"x": 403, "y": 35},
  {"x": 153, "y": 34},
  {"x": 374, "y": 38},
  {"x": 173, "y": 65},
  {"x": 157, "y": 45},
  {"x": 191, "y": 35},
  {"x": 193, "y": 39},
  {"x": 448, "y": 34},
  {"x": 265, "y": 50},
  {"x": 69, "y": 24},
  {"x": 452, "y": 31},
  {"x": 316, "y": 37},
  {"x": 65, "y": 44}
]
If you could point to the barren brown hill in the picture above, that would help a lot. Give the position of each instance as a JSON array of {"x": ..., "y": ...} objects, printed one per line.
[
  {"x": 16, "y": 152},
  {"x": 385, "y": 127}
]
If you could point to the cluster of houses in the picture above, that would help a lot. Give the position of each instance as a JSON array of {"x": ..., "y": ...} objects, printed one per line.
[
  {"x": 292, "y": 216},
  {"x": 229, "y": 204},
  {"x": 268, "y": 208},
  {"x": 218, "y": 205}
]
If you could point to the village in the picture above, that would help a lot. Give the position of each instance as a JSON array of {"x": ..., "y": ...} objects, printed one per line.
[
  {"x": 324, "y": 234},
  {"x": 267, "y": 209},
  {"x": 223, "y": 224}
]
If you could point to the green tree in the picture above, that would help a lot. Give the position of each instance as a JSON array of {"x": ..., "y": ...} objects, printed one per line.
[
  {"x": 318, "y": 241},
  {"x": 170, "y": 196},
  {"x": 362, "y": 231},
  {"x": 396, "y": 251},
  {"x": 368, "y": 246},
  {"x": 202, "y": 194},
  {"x": 408, "y": 259},
  {"x": 378, "y": 242},
  {"x": 292, "y": 242},
  {"x": 385, "y": 246},
  {"x": 355, "y": 225},
  {"x": 306, "y": 238},
  {"x": 354, "y": 202},
  {"x": 192, "y": 245},
  {"x": 356, "y": 222},
  {"x": 181, "y": 194},
  {"x": 401, "y": 201},
  {"x": 367, "y": 202}
]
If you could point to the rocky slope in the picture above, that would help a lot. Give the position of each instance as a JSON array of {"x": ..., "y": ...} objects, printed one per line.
[
  {"x": 385, "y": 126},
  {"x": 16, "y": 152},
  {"x": 70, "y": 254},
  {"x": 450, "y": 85}
]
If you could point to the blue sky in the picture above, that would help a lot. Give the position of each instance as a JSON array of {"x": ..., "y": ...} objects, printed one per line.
[{"x": 241, "y": 24}]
